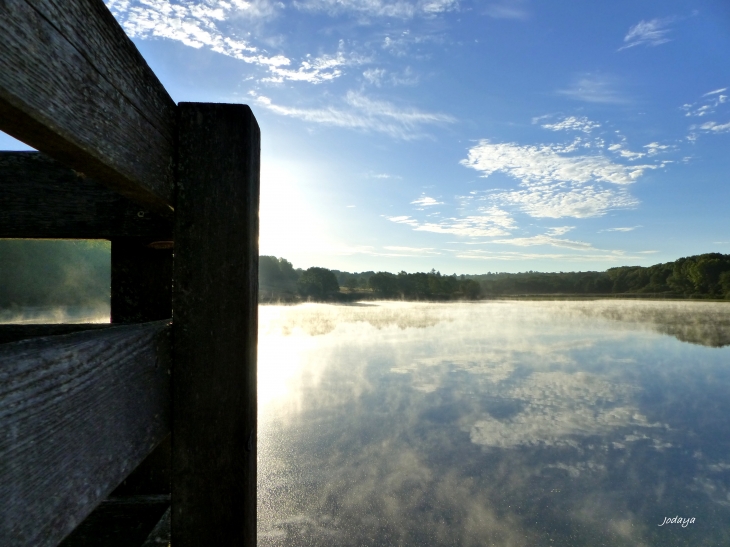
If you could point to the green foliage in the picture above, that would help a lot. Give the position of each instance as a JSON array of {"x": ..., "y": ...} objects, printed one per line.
[
  {"x": 318, "y": 283},
  {"x": 54, "y": 272}
]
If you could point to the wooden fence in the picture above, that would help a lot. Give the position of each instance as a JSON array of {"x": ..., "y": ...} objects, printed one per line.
[{"x": 142, "y": 431}]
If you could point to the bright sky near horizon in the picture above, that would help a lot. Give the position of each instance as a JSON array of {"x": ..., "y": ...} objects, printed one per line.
[{"x": 464, "y": 135}]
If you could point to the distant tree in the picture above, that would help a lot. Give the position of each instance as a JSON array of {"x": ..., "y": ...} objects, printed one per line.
[
  {"x": 318, "y": 283},
  {"x": 470, "y": 289},
  {"x": 351, "y": 283},
  {"x": 384, "y": 283}
]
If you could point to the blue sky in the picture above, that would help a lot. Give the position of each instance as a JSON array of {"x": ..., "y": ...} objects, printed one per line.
[{"x": 467, "y": 136}]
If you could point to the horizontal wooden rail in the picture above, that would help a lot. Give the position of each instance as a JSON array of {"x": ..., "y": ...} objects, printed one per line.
[
  {"x": 122, "y": 521},
  {"x": 43, "y": 199},
  {"x": 79, "y": 412},
  {"x": 74, "y": 86},
  {"x": 15, "y": 333}
]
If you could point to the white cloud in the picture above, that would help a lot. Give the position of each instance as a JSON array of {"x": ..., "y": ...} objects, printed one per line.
[
  {"x": 559, "y": 230},
  {"x": 715, "y": 92},
  {"x": 593, "y": 88},
  {"x": 615, "y": 257},
  {"x": 707, "y": 105},
  {"x": 209, "y": 25},
  {"x": 397, "y": 9},
  {"x": 649, "y": 33},
  {"x": 490, "y": 222},
  {"x": 546, "y": 239},
  {"x": 714, "y": 127},
  {"x": 553, "y": 183},
  {"x": 425, "y": 201},
  {"x": 654, "y": 148},
  {"x": 573, "y": 124},
  {"x": 362, "y": 113},
  {"x": 553, "y": 201},
  {"x": 543, "y": 164}
]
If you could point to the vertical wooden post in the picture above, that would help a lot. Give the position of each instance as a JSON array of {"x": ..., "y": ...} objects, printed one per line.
[
  {"x": 141, "y": 280},
  {"x": 141, "y": 290},
  {"x": 215, "y": 327}
]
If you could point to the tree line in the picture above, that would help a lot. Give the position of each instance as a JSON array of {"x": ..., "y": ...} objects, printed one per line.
[
  {"x": 42, "y": 273},
  {"x": 699, "y": 276}
]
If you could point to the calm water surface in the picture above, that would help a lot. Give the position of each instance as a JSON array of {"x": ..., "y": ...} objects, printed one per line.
[{"x": 558, "y": 423}]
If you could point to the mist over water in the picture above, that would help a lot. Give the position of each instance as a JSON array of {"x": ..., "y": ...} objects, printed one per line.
[
  {"x": 97, "y": 313},
  {"x": 499, "y": 423}
]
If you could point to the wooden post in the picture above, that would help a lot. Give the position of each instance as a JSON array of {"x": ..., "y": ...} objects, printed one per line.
[
  {"x": 215, "y": 326},
  {"x": 141, "y": 290}
]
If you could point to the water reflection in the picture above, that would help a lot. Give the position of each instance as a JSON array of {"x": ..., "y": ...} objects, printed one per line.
[{"x": 503, "y": 423}]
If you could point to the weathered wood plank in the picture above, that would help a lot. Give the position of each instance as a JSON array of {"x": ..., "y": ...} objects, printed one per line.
[
  {"x": 215, "y": 310},
  {"x": 122, "y": 521},
  {"x": 78, "y": 413},
  {"x": 43, "y": 199},
  {"x": 15, "y": 333},
  {"x": 74, "y": 86}
]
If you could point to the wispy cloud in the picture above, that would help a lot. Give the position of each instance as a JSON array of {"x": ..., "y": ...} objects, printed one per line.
[
  {"x": 425, "y": 201},
  {"x": 416, "y": 250},
  {"x": 594, "y": 88},
  {"x": 711, "y": 103},
  {"x": 546, "y": 240},
  {"x": 365, "y": 114},
  {"x": 622, "y": 229},
  {"x": 210, "y": 25},
  {"x": 614, "y": 257},
  {"x": 489, "y": 222},
  {"x": 707, "y": 105},
  {"x": 573, "y": 124},
  {"x": 507, "y": 9},
  {"x": 628, "y": 154},
  {"x": 398, "y": 9},
  {"x": 381, "y": 77},
  {"x": 654, "y": 148},
  {"x": 714, "y": 127},
  {"x": 648, "y": 33},
  {"x": 555, "y": 184}
]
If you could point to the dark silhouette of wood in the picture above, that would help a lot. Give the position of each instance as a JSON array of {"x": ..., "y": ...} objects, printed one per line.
[
  {"x": 73, "y": 86},
  {"x": 141, "y": 290},
  {"x": 160, "y": 535},
  {"x": 141, "y": 281},
  {"x": 125, "y": 521},
  {"x": 78, "y": 413},
  {"x": 215, "y": 327},
  {"x": 15, "y": 333},
  {"x": 44, "y": 199}
]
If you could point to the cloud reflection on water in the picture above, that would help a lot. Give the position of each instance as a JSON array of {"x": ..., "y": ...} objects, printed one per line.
[{"x": 505, "y": 423}]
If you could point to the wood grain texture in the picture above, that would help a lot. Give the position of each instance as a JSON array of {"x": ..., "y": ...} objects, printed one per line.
[
  {"x": 15, "y": 333},
  {"x": 121, "y": 521},
  {"x": 73, "y": 85},
  {"x": 78, "y": 413},
  {"x": 41, "y": 198},
  {"x": 215, "y": 330}
]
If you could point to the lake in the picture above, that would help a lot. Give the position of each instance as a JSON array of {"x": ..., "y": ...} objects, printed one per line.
[{"x": 506, "y": 423}]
